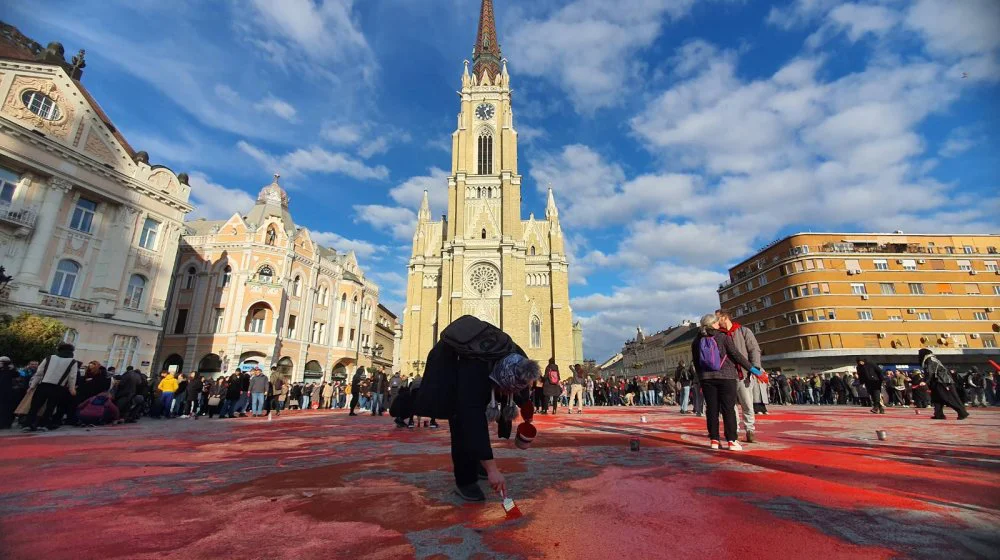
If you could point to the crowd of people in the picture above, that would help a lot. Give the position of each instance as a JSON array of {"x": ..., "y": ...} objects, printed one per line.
[{"x": 61, "y": 391}]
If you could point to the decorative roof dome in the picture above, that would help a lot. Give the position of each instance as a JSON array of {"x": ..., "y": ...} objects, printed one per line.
[{"x": 273, "y": 194}]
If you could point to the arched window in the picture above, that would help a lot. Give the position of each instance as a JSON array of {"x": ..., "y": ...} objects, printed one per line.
[
  {"x": 532, "y": 250},
  {"x": 189, "y": 280},
  {"x": 40, "y": 104},
  {"x": 227, "y": 276},
  {"x": 257, "y": 318},
  {"x": 536, "y": 332},
  {"x": 65, "y": 278},
  {"x": 324, "y": 296},
  {"x": 485, "y": 153},
  {"x": 297, "y": 286},
  {"x": 484, "y": 233},
  {"x": 272, "y": 235},
  {"x": 343, "y": 301},
  {"x": 133, "y": 294},
  {"x": 265, "y": 274},
  {"x": 354, "y": 306}
]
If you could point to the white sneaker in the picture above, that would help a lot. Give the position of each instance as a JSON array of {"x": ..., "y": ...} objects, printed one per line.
[
  {"x": 714, "y": 444},
  {"x": 183, "y": 416},
  {"x": 735, "y": 446}
]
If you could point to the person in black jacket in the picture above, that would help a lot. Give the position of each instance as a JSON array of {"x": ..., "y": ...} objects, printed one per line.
[
  {"x": 233, "y": 392},
  {"x": 718, "y": 385},
  {"x": 359, "y": 376},
  {"x": 7, "y": 376},
  {"x": 942, "y": 384},
  {"x": 475, "y": 373},
  {"x": 870, "y": 375}
]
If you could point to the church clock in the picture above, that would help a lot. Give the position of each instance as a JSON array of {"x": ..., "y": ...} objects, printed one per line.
[{"x": 485, "y": 111}]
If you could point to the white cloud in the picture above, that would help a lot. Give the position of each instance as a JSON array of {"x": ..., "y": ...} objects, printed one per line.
[
  {"x": 274, "y": 105},
  {"x": 958, "y": 142},
  {"x": 314, "y": 159},
  {"x": 398, "y": 222},
  {"x": 410, "y": 193},
  {"x": 342, "y": 134},
  {"x": 216, "y": 202},
  {"x": 363, "y": 249},
  {"x": 585, "y": 46},
  {"x": 964, "y": 27}
]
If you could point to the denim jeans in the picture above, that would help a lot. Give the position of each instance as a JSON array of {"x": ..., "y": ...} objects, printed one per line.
[
  {"x": 376, "y": 402},
  {"x": 589, "y": 397},
  {"x": 241, "y": 404},
  {"x": 258, "y": 403},
  {"x": 651, "y": 397},
  {"x": 166, "y": 402},
  {"x": 685, "y": 395},
  {"x": 228, "y": 407}
]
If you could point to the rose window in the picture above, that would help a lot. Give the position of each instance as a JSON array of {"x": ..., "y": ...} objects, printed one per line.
[{"x": 484, "y": 278}]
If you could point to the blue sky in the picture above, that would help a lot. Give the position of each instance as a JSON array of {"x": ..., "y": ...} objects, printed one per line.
[{"x": 679, "y": 135}]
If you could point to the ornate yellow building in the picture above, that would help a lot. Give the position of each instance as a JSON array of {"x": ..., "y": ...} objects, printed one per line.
[
  {"x": 257, "y": 290},
  {"x": 483, "y": 259}
]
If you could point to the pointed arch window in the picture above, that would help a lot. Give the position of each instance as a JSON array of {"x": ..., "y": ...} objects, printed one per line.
[
  {"x": 532, "y": 250},
  {"x": 297, "y": 286},
  {"x": 485, "y": 153},
  {"x": 227, "y": 276},
  {"x": 484, "y": 233},
  {"x": 190, "y": 278},
  {"x": 536, "y": 332},
  {"x": 265, "y": 274}
]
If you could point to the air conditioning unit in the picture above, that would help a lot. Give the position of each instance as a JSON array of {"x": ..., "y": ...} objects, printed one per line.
[
  {"x": 864, "y": 296},
  {"x": 850, "y": 273},
  {"x": 974, "y": 335},
  {"x": 881, "y": 335},
  {"x": 921, "y": 261},
  {"x": 972, "y": 272},
  {"x": 899, "y": 261},
  {"x": 942, "y": 340},
  {"x": 911, "y": 311},
  {"x": 945, "y": 335}
]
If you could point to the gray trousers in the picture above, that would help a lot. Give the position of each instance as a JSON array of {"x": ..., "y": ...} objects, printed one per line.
[{"x": 744, "y": 400}]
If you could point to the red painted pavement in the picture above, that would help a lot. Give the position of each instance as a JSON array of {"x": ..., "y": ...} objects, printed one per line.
[{"x": 324, "y": 485}]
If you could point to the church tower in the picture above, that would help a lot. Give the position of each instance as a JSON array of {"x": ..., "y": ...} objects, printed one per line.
[{"x": 482, "y": 259}]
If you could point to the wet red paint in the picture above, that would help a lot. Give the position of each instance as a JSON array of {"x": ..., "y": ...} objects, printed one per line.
[{"x": 256, "y": 489}]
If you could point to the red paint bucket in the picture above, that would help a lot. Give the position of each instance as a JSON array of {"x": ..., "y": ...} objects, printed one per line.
[{"x": 525, "y": 435}]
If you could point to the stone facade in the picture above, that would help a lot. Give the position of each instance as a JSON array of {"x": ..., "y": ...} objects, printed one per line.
[
  {"x": 256, "y": 289},
  {"x": 88, "y": 230},
  {"x": 483, "y": 259},
  {"x": 383, "y": 349}
]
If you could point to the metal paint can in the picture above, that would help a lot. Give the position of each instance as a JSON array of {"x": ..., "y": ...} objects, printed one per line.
[
  {"x": 633, "y": 444},
  {"x": 881, "y": 435},
  {"x": 642, "y": 419}
]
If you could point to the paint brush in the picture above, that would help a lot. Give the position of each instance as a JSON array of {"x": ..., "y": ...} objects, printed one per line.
[{"x": 509, "y": 507}]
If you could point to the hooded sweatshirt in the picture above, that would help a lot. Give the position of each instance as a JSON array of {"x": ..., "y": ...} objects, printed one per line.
[{"x": 168, "y": 384}]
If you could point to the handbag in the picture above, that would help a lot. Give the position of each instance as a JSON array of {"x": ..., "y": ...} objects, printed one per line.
[{"x": 214, "y": 401}]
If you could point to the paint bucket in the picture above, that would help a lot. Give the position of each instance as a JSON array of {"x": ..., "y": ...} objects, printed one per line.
[
  {"x": 525, "y": 435},
  {"x": 642, "y": 419},
  {"x": 633, "y": 444},
  {"x": 881, "y": 435}
]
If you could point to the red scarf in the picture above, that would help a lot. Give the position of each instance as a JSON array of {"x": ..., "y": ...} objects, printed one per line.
[{"x": 732, "y": 329}]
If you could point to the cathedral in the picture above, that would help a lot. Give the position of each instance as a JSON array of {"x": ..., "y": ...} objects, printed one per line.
[{"x": 482, "y": 259}]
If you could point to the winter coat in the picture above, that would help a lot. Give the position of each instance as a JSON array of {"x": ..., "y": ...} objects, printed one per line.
[
  {"x": 194, "y": 388},
  {"x": 550, "y": 389},
  {"x": 728, "y": 349},
  {"x": 168, "y": 384},
  {"x": 258, "y": 384}
]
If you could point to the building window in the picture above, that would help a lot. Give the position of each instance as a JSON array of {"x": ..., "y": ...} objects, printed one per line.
[
  {"x": 291, "y": 326},
  {"x": 65, "y": 278},
  {"x": 924, "y": 316},
  {"x": 989, "y": 341},
  {"x": 272, "y": 235},
  {"x": 949, "y": 250},
  {"x": 831, "y": 314},
  {"x": 532, "y": 250},
  {"x": 182, "y": 315},
  {"x": 70, "y": 336},
  {"x": 991, "y": 266},
  {"x": 122, "y": 351},
  {"x": 483, "y": 233},
  {"x": 536, "y": 332},
  {"x": 485, "y": 153},
  {"x": 257, "y": 318},
  {"x": 227, "y": 276},
  {"x": 354, "y": 310},
  {"x": 220, "y": 318},
  {"x": 40, "y": 104},
  {"x": 189, "y": 278},
  {"x": 968, "y": 249},
  {"x": 147, "y": 240},
  {"x": 297, "y": 286},
  {"x": 340, "y": 334},
  {"x": 322, "y": 333},
  {"x": 352, "y": 336},
  {"x": 996, "y": 290},
  {"x": 852, "y": 265},
  {"x": 766, "y": 301},
  {"x": 964, "y": 265},
  {"x": 858, "y": 289},
  {"x": 864, "y": 315},
  {"x": 972, "y": 289},
  {"x": 894, "y": 316},
  {"x": 83, "y": 215},
  {"x": 343, "y": 301},
  {"x": 909, "y": 264},
  {"x": 944, "y": 289},
  {"x": 917, "y": 289},
  {"x": 133, "y": 295},
  {"x": 980, "y": 316},
  {"x": 8, "y": 184},
  {"x": 314, "y": 336},
  {"x": 888, "y": 288},
  {"x": 881, "y": 264},
  {"x": 265, "y": 274},
  {"x": 324, "y": 296}
]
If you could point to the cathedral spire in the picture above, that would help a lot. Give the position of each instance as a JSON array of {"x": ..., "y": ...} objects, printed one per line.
[
  {"x": 551, "y": 212},
  {"x": 486, "y": 54},
  {"x": 424, "y": 214}
]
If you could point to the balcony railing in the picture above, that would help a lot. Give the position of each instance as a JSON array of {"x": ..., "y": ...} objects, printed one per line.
[
  {"x": 67, "y": 303},
  {"x": 21, "y": 217}
]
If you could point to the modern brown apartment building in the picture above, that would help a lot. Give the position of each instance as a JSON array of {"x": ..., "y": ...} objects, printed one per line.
[{"x": 819, "y": 300}]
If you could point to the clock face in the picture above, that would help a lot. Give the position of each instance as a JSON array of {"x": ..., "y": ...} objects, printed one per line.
[{"x": 484, "y": 111}]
